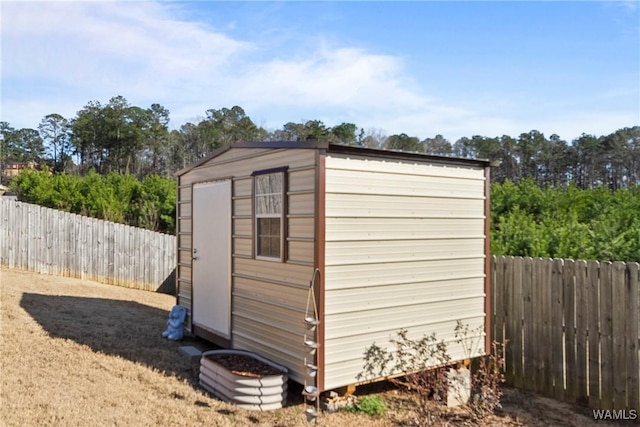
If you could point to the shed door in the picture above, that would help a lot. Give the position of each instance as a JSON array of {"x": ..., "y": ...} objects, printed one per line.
[{"x": 212, "y": 257}]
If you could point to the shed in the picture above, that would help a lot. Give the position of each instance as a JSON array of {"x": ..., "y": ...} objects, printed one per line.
[{"x": 387, "y": 240}]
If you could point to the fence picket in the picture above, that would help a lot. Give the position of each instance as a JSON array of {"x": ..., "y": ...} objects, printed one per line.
[
  {"x": 606, "y": 338},
  {"x": 508, "y": 321},
  {"x": 61, "y": 243},
  {"x": 153, "y": 261},
  {"x": 130, "y": 245},
  {"x": 497, "y": 294},
  {"x": 618, "y": 357},
  {"x": 536, "y": 320},
  {"x": 546, "y": 286},
  {"x": 24, "y": 237},
  {"x": 581, "y": 378},
  {"x": 528, "y": 326},
  {"x": 632, "y": 336},
  {"x": 516, "y": 319},
  {"x": 561, "y": 307},
  {"x": 8, "y": 244},
  {"x": 594, "y": 333},
  {"x": 31, "y": 246},
  {"x": 88, "y": 247},
  {"x": 47, "y": 250}
]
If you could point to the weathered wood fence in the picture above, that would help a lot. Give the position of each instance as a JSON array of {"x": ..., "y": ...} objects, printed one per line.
[
  {"x": 49, "y": 241},
  {"x": 571, "y": 328}
]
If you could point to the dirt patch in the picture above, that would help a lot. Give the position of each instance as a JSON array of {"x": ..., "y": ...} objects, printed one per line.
[
  {"x": 240, "y": 364},
  {"x": 75, "y": 352},
  {"x": 530, "y": 409}
]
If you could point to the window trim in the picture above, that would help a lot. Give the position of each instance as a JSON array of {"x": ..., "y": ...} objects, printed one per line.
[{"x": 283, "y": 214}]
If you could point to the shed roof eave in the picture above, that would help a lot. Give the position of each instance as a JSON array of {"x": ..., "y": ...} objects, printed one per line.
[
  {"x": 254, "y": 144},
  {"x": 406, "y": 155},
  {"x": 214, "y": 153},
  {"x": 338, "y": 149}
]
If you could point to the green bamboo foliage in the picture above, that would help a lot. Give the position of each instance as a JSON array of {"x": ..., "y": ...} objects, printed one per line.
[
  {"x": 122, "y": 198},
  {"x": 565, "y": 222}
]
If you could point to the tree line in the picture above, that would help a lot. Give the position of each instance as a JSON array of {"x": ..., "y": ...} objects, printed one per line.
[
  {"x": 120, "y": 137},
  {"x": 549, "y": 197}
]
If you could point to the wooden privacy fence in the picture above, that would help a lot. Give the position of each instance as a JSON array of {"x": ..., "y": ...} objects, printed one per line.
[
  {"x": 49, "y": 241},
  {"x": 571, "y": 328}
]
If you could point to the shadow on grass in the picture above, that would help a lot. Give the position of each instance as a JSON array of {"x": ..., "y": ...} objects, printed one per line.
[
  {"x": 168, "y": 285},
  {"x": 126, "y": 329}
]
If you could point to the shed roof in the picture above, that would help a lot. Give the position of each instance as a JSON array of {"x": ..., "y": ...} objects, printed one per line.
[{"x": 339, "y": 148}]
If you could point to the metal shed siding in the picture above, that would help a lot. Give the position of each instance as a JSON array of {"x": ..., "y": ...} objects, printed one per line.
[
  {"x": 404, "y": 249},
  {"x": 183, "y": 269},
  {"x": 268, "y": 298}
]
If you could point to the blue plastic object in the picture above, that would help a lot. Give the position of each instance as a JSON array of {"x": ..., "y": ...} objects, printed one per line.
[{"x": 175, "y": 324}]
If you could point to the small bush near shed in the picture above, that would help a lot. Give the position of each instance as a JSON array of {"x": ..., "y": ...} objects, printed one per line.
[
  {"x": 427, "y": 362},
  {"x": 486, "y": 380}
]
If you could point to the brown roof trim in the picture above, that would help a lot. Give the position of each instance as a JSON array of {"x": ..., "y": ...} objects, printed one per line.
[
  {"x": 320, "y": 248},
  {"x": 281, "y": 144},
  {"x": 340, "y": 149},
  {"x": 487, "y": 262}
]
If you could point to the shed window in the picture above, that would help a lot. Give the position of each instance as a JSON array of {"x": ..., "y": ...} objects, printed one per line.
[{"x": 269, "y": 214}]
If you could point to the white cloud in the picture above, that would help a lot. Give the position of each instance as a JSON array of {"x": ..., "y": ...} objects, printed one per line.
[
  {"x": 625, "y": 6},
  {"x": 92, "y": 51},
  {"x": 99, "y": 50},
  {"x": 331, "y": 77}
]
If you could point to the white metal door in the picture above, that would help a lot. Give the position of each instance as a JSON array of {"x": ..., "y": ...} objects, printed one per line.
[{"x": 212, "y": 257}]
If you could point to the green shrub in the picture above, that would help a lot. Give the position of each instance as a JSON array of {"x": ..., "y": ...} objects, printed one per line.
[
  {"x": 370, "y": 405},
  {"x": 565, "y": 222},
  {"x": 116, "y": 197}
]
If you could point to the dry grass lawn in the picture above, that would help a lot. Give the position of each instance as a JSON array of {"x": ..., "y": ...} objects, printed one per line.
[{"x": 80, "y": 353}]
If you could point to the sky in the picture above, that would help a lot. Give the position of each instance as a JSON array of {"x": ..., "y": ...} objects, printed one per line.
[{"x": 420, "y": 67}]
